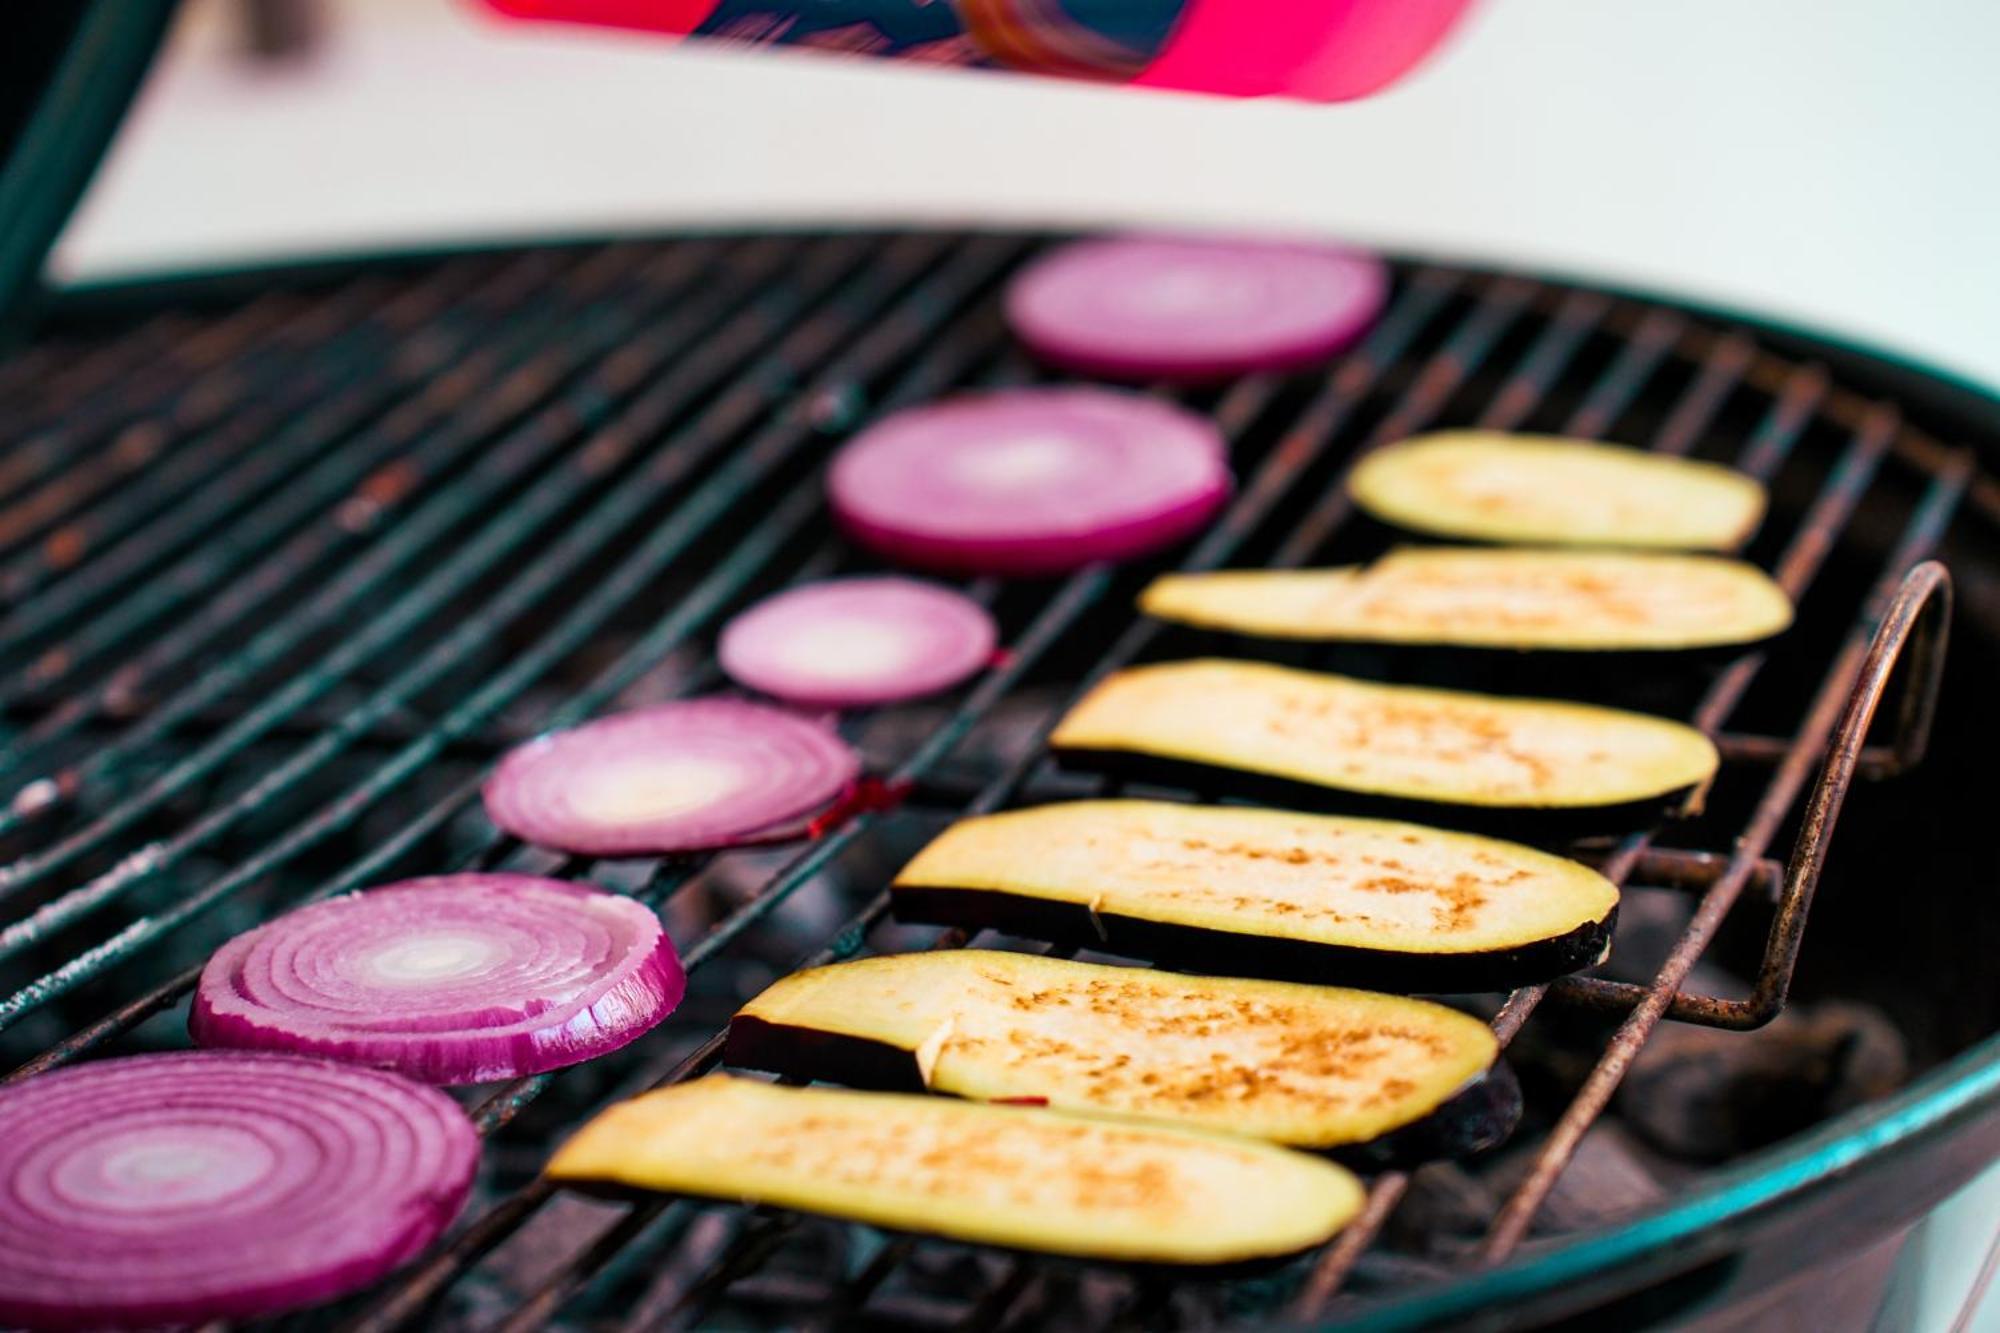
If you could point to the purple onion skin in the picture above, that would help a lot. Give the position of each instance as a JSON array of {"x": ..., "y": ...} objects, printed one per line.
[
  {"x": 1079, "y": 360},
  {"x": 951, "y": 637},
  {"x": 435, "y": 1051},
  {"x": 317, "y": 1244},
  {"x": 1104, "y": 353},
  {"x": 890, "y": 487},
  {"x": 627, "y": 1012},
  {"x": 806, "y": 768},
  {"x": 1037, "y": 557}
]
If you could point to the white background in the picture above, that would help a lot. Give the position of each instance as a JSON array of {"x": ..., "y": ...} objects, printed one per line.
[{"x": 1833, "y": 162}]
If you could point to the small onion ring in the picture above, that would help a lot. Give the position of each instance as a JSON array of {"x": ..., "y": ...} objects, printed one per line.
[
  {"x": 1029, "y": 481},
  {"x": 175, "y": 1189},
  {"x": 1193, "y": 308},
  {"x": 693, "y": 775},
  {"x": 850, "y": 643},
  {"x": 452, "y": 979}
]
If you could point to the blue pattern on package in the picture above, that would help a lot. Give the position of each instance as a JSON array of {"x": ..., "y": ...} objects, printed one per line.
[{"x": 1111, "y": 38}]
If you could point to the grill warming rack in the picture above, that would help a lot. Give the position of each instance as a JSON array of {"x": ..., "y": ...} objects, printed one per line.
[{"x": 323, "y": 475}]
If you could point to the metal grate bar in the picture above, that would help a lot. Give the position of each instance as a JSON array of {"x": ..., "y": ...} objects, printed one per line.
[
  {"x": 203, "y": 481},
  {"x": 612, "y": 514},
  {"x": 91, "y": 499},
  {"x": 1465, "y": 351},
  {"x": 1829, "y": 513},
  {"x": 694, "y": 612},
  {"x": 690, "y": 614},
  {"x": 432, "y": 436},
  {"x": 1577, "y": 316},
  {"x": 888, "y": 341},
  {"x": 428, "y": 373},
  {"x": 1428, "y": 391},
  {"x": 1638, "y": 357},
  {"x": 1721, "y": 369},
  {"x": 1490, "y": 318},
  {"x": 1287, "y": 460},
  {"x": 173, "y": 357},
  {"x": 174, "y": 354},
  {"x": 205, "y": 366},
  {"x": 1922, "y": 617},
  {"x": 502, "y": 465},
  {"x": 1511, "y": 1226},
  {"x": 512, "y": 459},
  {"x": 629, "y": 473},
  {"x": 1077, "y": 594}
]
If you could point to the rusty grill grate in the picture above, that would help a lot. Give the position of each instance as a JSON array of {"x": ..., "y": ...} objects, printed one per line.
[{"x": 282, "y": 573}]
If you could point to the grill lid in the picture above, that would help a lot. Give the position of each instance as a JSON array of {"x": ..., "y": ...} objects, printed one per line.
[{"x": 68, "y": 72}]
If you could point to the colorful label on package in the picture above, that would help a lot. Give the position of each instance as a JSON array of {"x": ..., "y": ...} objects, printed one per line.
[{"x": 1090, "y": 39}]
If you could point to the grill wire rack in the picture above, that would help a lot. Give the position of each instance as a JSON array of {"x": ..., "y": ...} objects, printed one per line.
[{"x": 284, "y": 569}]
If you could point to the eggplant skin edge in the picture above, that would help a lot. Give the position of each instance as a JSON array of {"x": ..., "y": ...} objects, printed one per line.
[
  {"x": 1249, "y": 1266},
  {"x": 1519, "y": 823},
  {"x": 1478, "y": 1116},
  {"x": 1368, "y": 530},
  {"x": 1481, "y": 1115},
  {"x": 1271, "y": 957},
  {"x": 1558, "y": 673}
]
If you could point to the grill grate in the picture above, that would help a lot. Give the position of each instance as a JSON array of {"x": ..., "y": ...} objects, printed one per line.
[{"x": 281, "y": 576}]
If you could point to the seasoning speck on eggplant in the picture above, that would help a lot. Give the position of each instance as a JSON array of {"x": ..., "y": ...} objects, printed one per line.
[
  {"x": 1493, "y": 487},
  {"x": 1029, "y": 1179},
  {"x": 1469, "y": 597},
  {"x": 1271, "y": 893},
  {"x": 1310, "y": 1066},
  {"x": 1389, "y": 749}
]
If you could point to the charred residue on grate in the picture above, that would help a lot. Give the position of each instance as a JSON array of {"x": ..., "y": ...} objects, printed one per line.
[{"x": 285, "y": 570}]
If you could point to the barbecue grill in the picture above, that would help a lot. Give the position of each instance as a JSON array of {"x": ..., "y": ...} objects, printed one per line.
[{"x": 289, "y": 556}]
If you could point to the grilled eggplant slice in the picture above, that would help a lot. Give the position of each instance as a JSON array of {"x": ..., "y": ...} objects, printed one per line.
[
  {"x": 1493, "y": 487},
  {"x": 1309, "y": 1066},
  {"x": 1522, "y": 766},
  {"x": 1463, "y": 597},
  {"x": 1267, "y": 893},
  {"x": 1026, "y": 1179}
]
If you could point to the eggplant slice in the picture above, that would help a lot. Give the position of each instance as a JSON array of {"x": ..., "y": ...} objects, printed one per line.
[
  {"x": 1267, "y": 893},
  {"x": 1494, "y": 487},
  {"x": 1526, "y": 767},
  {"x": 1309, "y": 1066},
  {"x": 1026, "y": 1179},
  {"x": 1466, "y": 597}
]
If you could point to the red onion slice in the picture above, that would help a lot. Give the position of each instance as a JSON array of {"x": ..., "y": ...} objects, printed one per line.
[
  {"x": 855, "y": 642},
  {"x": 1030, "y": 481},
  {"x": 1188, "y": 308},
  {"x": 174, "y": 1189},
  {"x": 454, "y": 979},
  {"x": 693, "y": 775}
]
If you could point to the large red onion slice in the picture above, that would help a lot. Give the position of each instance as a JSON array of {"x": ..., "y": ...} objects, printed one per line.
[
  {"x": 855, "y": 642},
  {"x": 1030, "y": 481},
  {"x": 692, "y": 775},
  {"x": 173, "y": 1189},
  {"x": 1188, "y": 308},
  {"x": 454, "y": 979}
]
